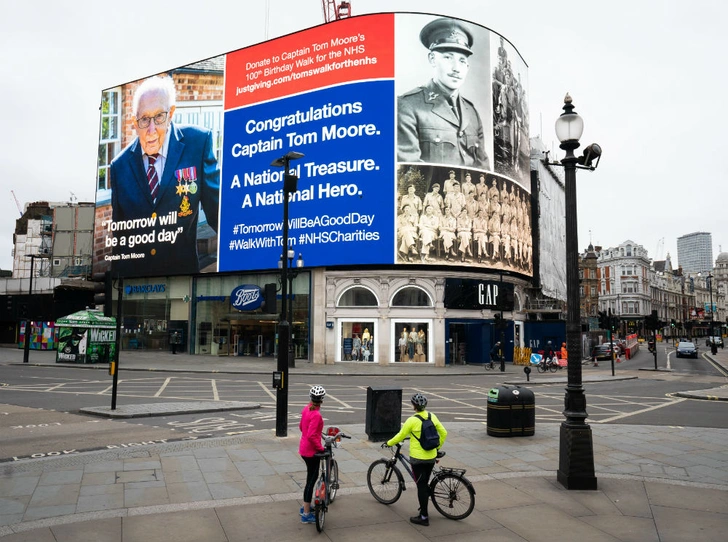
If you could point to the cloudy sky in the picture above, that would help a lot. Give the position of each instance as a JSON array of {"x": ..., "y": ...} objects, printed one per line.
[{"x": 646, "y": 76}]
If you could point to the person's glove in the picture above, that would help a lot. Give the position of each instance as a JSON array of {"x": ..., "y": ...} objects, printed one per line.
[{"x": 384, "y": 445}]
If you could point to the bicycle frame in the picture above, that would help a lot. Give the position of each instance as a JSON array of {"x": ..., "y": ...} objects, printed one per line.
[{"x": 326, "y": 488}]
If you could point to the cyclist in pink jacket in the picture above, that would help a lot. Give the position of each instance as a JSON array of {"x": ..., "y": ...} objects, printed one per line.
[{"x": 311, "y": 426}]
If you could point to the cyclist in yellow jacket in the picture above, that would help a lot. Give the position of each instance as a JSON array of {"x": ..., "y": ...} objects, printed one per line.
[{"x": 422, "y": 461}]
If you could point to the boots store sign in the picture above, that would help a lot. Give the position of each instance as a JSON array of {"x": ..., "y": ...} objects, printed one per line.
[
  {"x": 246, "y": 297},
  {"x": 478, "y": 294}
]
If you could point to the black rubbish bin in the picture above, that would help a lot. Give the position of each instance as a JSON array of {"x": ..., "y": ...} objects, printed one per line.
[
  {"x": 384, "y": 413},
  {"x": 511, "y": 412}
]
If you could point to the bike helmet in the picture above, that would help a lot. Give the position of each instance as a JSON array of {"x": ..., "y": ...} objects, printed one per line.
[
  {"x": 419, "y": 400},
  {"x": 317, "y": 394}
]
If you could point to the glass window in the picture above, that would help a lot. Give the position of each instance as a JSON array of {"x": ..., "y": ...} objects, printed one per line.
[
  {"x": 411, "y": 341},
  {"x": 109, "y": 136},
  {"x": 357, "y": 341},
  {"x": 357, "y": 297},
  {"x": 411, "y": 297}
]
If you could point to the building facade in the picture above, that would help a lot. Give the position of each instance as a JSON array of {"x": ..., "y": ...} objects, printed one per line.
[
  {"x": 624, "y": 284},
  {"x": 695, "y": 252}
]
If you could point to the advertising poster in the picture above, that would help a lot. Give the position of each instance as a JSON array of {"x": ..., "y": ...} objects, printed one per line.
[{"x": 413, "y": 135}]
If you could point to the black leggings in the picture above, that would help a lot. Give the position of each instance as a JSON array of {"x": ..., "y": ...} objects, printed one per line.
[
  {"x": 312, "y": 469},
  {"x": 422, "y": 471}
]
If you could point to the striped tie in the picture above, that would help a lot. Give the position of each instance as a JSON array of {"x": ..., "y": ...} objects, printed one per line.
[{"x": 152, "y": 176}]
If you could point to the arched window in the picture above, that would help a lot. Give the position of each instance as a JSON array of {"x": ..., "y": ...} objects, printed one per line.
[
  {"x": 357, "y": 297},
  {"x": 411, "y": 297}
]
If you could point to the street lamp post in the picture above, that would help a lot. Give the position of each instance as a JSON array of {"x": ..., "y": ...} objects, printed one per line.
[
  {"x": 709, "y": 280},
  {"x": 576, "y": 450},
  {"x": 291, "y": 277},
  {"x": 284, "y": 328},
  {"x": 28, "y": 318}
]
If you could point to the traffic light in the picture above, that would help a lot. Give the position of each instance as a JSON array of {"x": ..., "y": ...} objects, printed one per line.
[
  {"x": 603, "y": 320},
  {"x": 103, "y": 288},
  {"x": 500, "y": 323},
  {"x": 270, "y": 304},
  {"x": 672, "y": 322}
]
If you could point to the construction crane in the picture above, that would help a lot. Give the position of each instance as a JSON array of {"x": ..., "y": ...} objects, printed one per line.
[
  {"x": 17, "y": 203},
  {"x": 334, "y": 11}
]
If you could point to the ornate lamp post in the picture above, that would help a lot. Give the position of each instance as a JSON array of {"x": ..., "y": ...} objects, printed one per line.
[
  {"x": 576, "y": 450},
  {"x": 290, "y": 182}
]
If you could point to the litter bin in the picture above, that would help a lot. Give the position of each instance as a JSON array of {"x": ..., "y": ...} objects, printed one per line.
[
  {"x": 511, "y": 412},
  {"x": 384, "y": 413}
]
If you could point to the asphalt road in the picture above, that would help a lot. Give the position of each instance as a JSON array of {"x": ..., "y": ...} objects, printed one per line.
[{"x": 39, "y": 406}]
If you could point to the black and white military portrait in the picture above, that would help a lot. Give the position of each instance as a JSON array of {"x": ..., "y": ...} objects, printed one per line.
[
  {"x": 444, "y": 92},
  {"x": 511, "y": 149}
]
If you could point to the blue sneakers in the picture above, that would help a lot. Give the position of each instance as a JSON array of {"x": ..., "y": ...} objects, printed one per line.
[{"x": 308, "y": 518}]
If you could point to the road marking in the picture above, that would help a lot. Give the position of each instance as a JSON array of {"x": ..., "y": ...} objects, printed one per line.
[
  {"x": 266, "y": 390},
  {"x": 649, "y": 409},
  {"x": 215, "y": 394},
  {"x": 108, "y": 389},
  {"x": 161, "y": 388}
]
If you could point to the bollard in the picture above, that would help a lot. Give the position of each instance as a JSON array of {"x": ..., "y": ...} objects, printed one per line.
[{"x": 527, "y": 370}]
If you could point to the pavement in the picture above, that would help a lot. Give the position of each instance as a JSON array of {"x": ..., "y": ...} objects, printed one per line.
[{"x": 655, "y": 483}]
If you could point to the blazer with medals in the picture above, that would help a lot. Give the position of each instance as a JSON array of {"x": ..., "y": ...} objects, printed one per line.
[
  {"x": 428, "y": 130},
  {"x": 191, "y": 177}
]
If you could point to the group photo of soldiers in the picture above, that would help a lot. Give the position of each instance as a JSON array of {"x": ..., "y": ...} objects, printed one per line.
[{"x": 447, "y": 215}]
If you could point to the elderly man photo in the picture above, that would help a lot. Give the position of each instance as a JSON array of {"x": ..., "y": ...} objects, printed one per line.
[
  {"x": 166, "y": 171},
  {"x": 435, "y": 122}
]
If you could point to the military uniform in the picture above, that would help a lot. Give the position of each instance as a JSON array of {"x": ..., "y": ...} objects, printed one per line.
[
  {"x": 429, "y": 127},
  {"x": 428, "y": 130}
]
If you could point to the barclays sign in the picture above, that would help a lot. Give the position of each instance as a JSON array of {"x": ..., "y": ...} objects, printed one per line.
[{"x": 246, "y": 297}]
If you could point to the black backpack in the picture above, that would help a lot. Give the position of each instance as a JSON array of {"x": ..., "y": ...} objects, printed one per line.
[{"x": 429, "y": 437}]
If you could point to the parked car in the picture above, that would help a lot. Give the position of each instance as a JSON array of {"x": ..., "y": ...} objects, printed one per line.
[
  {"x": 687, "y": 350},
  {"x": 718, "y": 341},
  {"x": 601, "y": 352}
]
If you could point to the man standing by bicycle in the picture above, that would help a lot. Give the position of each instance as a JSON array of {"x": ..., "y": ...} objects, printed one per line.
[
  {"x": 422, "y": 461},
  {"x": 311, "y": 425}
]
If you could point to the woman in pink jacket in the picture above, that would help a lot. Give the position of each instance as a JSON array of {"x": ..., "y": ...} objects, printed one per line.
[{"x": 311, "y": 426}]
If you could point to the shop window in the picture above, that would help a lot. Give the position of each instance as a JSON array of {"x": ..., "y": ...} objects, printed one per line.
[
  {"x": 357, "y": 297},
  {"x": 357, "y": 341},
  {"x": 411, "y": 297}
]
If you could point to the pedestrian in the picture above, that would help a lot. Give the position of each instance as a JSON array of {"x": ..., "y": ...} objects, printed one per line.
[
  {"x": 311, "y": 426},
  {"x": 422, "y": 461},
  {"x": 495, "y": 352},
  {"x": 175, "y": 341}
]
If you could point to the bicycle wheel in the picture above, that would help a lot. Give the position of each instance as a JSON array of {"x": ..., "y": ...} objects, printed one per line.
[
  {"x": 319, "y": 510},
  {"x": 320, "y": 515},
  {"x": 333, "y": 480},
  {"x": 453, "y": 496},
  {"x": 541, "y": 367},
  {"x": 385, "y": 481},
  {"x": 554, "y": 366}
]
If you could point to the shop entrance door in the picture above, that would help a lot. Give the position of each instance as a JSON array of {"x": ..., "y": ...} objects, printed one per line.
[
  {"x": 466, "y": 343},
  {"x": 255, "y": 338}
]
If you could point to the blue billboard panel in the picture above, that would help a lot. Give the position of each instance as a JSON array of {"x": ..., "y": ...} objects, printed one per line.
[{"x": 343, "y": 211}]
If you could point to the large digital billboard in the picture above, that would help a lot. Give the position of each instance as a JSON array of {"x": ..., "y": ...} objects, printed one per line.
[{"x": 414, "y": 135}]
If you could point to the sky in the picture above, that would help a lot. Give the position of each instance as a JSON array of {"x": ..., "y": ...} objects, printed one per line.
[{"x": 644, "y": 76}]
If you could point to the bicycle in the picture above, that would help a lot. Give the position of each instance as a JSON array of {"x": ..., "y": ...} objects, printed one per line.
[
  {"x": 328, "y": 484},
  {"x": 450, "y": 492},
  {"x": 548, "y": 364},
  {"x": 489, "y": 366}
]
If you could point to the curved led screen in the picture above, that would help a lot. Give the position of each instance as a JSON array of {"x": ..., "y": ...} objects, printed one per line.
[{"x": 414, "y": 135}]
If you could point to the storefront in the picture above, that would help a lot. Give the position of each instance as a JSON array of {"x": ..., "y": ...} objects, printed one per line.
[
  {"x": 397, "y": 318},
  {"x": 223, "y": 328}
]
